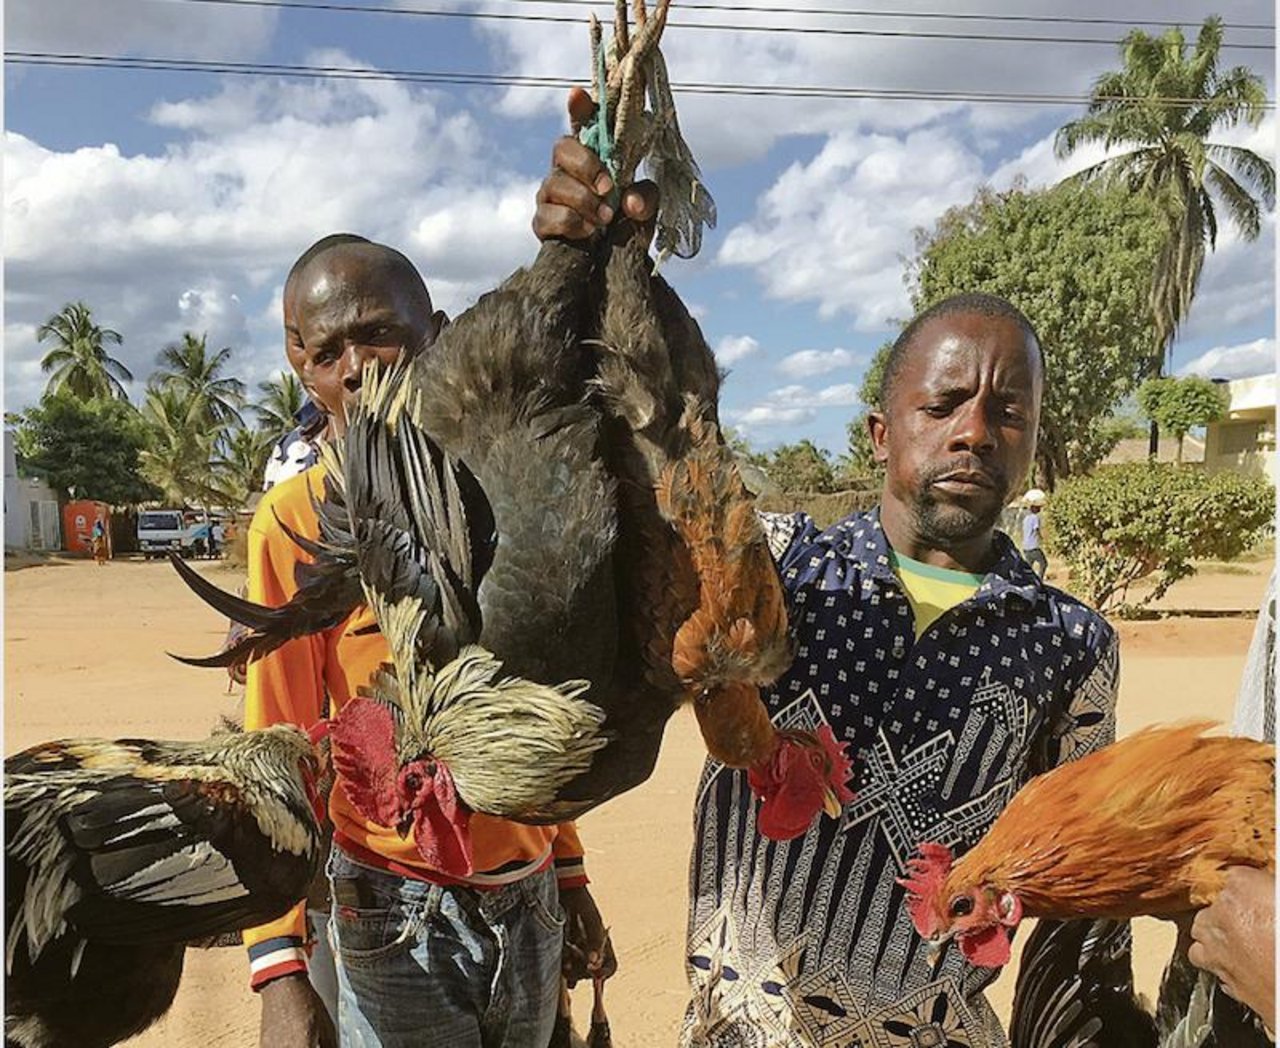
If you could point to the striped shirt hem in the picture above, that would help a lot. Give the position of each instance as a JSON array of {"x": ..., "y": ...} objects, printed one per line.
[
  {"x": 571, "y": 872},
  {"x": 272, "y": 958}
]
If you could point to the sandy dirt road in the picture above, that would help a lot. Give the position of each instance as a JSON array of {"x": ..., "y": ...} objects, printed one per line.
[{"x": 85, "y": 655}]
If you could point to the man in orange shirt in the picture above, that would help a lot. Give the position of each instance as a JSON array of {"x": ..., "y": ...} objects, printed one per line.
[{"x": 422, "y": 959}]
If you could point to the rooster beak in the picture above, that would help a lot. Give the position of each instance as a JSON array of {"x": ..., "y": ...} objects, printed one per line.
[
  {"x": 405, "y": 824},
  {"x": 937, "y": 950},
  {"x": 831, "y": 803},
  {"x": 935, "y": 959}
]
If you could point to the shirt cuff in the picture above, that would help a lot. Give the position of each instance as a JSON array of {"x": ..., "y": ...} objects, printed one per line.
[
  {"x": 571, "y": 872},
  {"x": 273, "y": 958}
]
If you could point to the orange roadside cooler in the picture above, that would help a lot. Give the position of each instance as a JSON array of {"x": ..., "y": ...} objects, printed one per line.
[{"x": 77, "y": 524}]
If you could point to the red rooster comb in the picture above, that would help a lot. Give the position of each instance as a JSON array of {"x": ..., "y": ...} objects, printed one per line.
[
  {"x": 841, "y": 763},
  {"x": 364, "y": 755},
  {"x": 926, "y": 875}
]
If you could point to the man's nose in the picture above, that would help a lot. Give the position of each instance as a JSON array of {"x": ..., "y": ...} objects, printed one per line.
[
  {"x": 973, "y": 429},
  {"x": 354, "y": 358}
]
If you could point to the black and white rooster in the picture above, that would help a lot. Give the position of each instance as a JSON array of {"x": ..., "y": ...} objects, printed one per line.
[{"x": 118, "y": 854}]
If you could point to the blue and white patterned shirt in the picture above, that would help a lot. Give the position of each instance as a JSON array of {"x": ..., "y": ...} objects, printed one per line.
[
  {"x": 298, "y": 450},
  {"x": 808, "y": 942}
]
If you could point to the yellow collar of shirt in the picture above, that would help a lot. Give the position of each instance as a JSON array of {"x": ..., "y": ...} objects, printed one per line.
[{"x": 931, "y": 590}]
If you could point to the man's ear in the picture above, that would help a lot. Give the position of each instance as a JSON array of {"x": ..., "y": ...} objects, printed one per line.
[
  {"x": 439, "y": 321},
  {"x": 878, "y": 429}
]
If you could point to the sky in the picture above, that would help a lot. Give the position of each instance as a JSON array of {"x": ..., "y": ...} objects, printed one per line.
[{"x": 176, "y": 201}]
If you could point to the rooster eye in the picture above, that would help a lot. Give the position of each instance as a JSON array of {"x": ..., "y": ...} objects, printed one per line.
[
  {"x": 413, "y": 782},
  {"x": 962, "y": 906}
]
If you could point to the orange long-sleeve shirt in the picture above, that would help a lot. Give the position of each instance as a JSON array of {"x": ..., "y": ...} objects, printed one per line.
[{"x": 289, "y": 686}]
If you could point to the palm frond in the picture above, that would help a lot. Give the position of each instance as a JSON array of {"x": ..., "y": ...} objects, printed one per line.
[
  {"x": 1240, "y": 204},
  {"x": 1256, "y": 170}
]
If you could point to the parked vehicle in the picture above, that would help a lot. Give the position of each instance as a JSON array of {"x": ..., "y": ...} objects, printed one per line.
[{"x": 163, "y": 531}]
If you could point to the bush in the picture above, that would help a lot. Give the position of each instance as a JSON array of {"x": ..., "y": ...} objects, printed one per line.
[{"x": 1126, "y": 522}]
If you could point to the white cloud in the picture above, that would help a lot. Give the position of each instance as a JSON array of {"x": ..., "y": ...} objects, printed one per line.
[
  {"x": 1237, "y": 285},
  {"x": 166, "y": 29},
  {"x": 732, "y": 348},
  {"x": 759, "y": 415},
  {"x": 1243, "y": 361},
  {"x": 845, "y": 395},
  {"x": 725, "y": 130},
  {"x": 1040, "y": 166},
  {"x": 791, "y": 406},
  {"x": 215, "y": 312},
  {"x": 181, "y": 239},
  {"x": 810, "y": 362},
  {"x": 834, "y": 230}
]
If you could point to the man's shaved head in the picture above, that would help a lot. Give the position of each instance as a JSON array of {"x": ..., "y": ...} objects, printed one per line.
[
  {"x": 976, "y": 303},
  {"x": 348, "y": 301},
  {"x": 319, "y": 248}
]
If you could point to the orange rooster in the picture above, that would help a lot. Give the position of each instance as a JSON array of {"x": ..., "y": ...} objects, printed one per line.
[
  {"x": 736, "y": 640},
  {"x": 1146, "y": 826}
]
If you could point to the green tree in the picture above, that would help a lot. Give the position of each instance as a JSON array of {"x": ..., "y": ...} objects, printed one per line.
[
  {"x": 1170, "y": 158},
  {"x": 188, "y": 366},
  {"x": 78, "y": 363},
  {"x": 1178, "y": 405},
  {"x": 1077, "y": 261},
  {"x": 873, "y": 377},
  {"x": 802, "y": 467},
  {"x": 240, "y": 464},
  {"x": 180, "y": 444},
  {"x": 282, "y": 398},
  {"x": 1125, "y": 523},
  {"x": 89, "y": 448},
  {"x": 858, "y": 467}
]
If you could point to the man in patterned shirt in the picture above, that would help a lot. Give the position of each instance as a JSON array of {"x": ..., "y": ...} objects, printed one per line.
[{"x": 953, "y": 672}]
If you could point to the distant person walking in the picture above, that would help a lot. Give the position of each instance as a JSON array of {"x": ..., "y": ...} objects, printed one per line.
[
  {"x": 98, "y": 542},
  {"x": 1032, "y": 552},
  {"x": 215, "y": 540}
]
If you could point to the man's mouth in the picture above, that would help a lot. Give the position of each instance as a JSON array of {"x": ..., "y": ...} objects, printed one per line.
[{"x": 966, "y": 480}]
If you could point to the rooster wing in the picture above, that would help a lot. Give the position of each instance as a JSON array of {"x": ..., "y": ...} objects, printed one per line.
[{"x": 141, "y": 842}]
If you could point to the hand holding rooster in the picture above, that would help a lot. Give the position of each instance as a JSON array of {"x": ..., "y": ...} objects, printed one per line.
[
  {"x": 1234, "y": 938},
  {"x": 573, "y": 200},
  {"x": 588, "y": 948}
]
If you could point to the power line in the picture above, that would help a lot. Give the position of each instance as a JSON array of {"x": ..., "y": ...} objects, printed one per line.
[
  {"x": 507, "y": 16},
  {"x": 966, "y": 16},
  {"x": 422, "y": 76}
]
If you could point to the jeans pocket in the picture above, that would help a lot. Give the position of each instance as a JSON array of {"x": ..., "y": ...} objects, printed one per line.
[
  {"x": 366, "y": 935},
  {"x": 549, "y": 914}
]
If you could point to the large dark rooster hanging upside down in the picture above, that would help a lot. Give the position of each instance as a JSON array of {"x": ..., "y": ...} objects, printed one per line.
[{"x": 555, "y": 540}]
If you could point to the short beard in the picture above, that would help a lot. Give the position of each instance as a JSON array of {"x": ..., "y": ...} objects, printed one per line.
[{"x": 943, "y": 524}]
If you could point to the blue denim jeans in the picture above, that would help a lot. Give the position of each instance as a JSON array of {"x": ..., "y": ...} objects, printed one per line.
[{"x": 423, "y": 966}]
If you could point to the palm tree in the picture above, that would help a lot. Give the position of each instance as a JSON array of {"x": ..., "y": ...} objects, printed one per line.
[
  {"x": 240, "y": 466},
  {"x": 180, "y": 443},
  {"x": 187, "y": 365},
  {"x": 1164, "y": 105},
  {"x": 79, "y": 362},
  {"x": 282, "y": 399}
]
